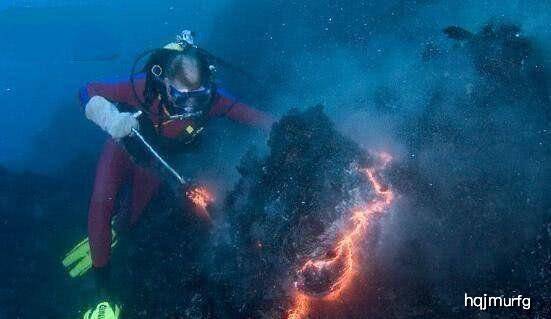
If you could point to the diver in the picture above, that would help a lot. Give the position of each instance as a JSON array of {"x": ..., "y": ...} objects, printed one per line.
[{"x": 177, "y": 95}]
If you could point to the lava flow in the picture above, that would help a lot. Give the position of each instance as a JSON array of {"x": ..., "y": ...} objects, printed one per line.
[
  {"x": 328, "y": 277},
  {"x": 201, "y": 198}
]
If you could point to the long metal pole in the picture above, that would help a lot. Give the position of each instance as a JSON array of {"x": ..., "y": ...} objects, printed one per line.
[{"x": 159, "y": 157}]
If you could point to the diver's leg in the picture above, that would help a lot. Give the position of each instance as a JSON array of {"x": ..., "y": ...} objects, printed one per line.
[
  {"x": 145, "y": 185},
  {"x": 113, "y": 168}
]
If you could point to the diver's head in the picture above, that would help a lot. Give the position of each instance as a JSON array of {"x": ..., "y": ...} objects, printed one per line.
[
  {"x": 183, "y": 80},
  {"x": 187, "y": 84},
  {"x": 186, "y": 71}
]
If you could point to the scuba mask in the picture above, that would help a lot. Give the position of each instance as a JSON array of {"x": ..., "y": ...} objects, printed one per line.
[{"x": 190, "y": 104}]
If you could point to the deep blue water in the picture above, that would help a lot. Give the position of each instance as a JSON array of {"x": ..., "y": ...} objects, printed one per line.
[
  {"x": 468, "y": 124},
  {"x": 318, "y": 51}
]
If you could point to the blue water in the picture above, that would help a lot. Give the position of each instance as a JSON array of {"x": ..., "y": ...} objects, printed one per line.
[
  {"x": 49, "y": 49},
  {"x": 468, "y": 125}
]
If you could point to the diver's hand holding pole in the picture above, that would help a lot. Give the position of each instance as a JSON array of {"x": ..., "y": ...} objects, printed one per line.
[
  {"x": 121, "y": 124},
  {"x": 150, "y": 148},
  {"x": 199, "y": 197},
  {"x": 106, "y": 115}
]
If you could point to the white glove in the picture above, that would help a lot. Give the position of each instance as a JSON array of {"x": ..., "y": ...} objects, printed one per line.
[{"x": 105, "y": 115}]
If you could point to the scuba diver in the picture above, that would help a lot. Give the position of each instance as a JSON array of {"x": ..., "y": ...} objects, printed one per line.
[{"x": 177, "y": 95}]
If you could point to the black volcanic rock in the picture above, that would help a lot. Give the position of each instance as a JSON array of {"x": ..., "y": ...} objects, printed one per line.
[{"x": 286, "y": 208}]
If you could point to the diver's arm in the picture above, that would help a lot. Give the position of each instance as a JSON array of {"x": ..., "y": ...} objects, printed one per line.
[
  {"x": 106, "y": 115},
  {"x": 114, "y": 91},
  {"x": 225, "y": 105},
  {"x": 99, "y": 100}
]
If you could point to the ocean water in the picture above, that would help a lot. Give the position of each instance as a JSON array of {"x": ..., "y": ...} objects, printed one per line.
[{"x": 466, "y": 121}]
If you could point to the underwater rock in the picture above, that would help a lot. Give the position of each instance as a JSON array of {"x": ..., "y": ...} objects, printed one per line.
[
  {"x": 507, "y": 58},
  {"x": 288, "y": 207},
  {"x": 34, "y": 211}
]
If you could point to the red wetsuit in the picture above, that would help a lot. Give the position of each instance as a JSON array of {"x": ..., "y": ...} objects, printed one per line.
[{"x": 115, "y": 167}]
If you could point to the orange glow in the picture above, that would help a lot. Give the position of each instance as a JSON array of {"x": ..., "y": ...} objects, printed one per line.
[
  {"x": 201, "y": 199},
  {"x": 301, "y": 307},
  {"x": 325, "y": 279}
]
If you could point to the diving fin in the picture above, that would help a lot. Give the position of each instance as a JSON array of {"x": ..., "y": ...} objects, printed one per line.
[
  {"x": 79, "y": 260},
  {"x": 103, "y": 311}
]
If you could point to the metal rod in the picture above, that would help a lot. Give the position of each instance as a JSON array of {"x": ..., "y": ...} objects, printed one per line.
[{"x": 159, "y": 157}]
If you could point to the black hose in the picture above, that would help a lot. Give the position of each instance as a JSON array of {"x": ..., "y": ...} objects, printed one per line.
[{"x": 143, "y": 107}]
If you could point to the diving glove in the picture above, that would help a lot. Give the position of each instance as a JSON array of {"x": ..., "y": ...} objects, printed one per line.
[
  {"x": 79, "y": 260},
  {"x": 103, "y": 311},
  {"x": 106, "y": 115}
]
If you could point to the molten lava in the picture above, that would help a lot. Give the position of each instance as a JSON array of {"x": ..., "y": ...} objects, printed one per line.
[
  {"x": 201, "y": 198},
  {"x": 326, "y": 278}
]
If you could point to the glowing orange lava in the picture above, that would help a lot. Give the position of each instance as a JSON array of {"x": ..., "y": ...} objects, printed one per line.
[
  {"x": 325, "y": 279},
  {"x": 201, "y": 199}
]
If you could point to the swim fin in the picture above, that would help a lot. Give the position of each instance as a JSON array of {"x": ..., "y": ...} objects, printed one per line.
[
  {"x": 79, "y": 260},
  {"x": 103, "y": 311}
]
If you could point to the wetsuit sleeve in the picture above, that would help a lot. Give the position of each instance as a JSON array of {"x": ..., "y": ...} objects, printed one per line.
[
  {"x": 114, "y": 91},
  {"x": 227, "y": 105}
]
